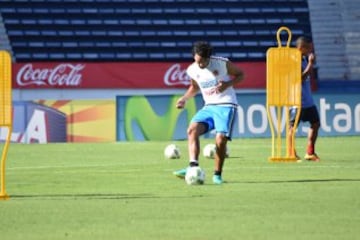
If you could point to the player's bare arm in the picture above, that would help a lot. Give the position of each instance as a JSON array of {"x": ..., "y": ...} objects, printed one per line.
[
  {"x": 191, "y": 92},
  {"x": 237, "y": 77},
  {"x": 309, "y": 67}
]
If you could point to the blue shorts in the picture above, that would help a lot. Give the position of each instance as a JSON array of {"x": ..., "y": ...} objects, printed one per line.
[
  {"x": 218, "y": 117},
  {"x": 309, "y": 114}
]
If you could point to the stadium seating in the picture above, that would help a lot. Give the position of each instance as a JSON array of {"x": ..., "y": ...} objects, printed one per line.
[{"x": 147, "y": 30}]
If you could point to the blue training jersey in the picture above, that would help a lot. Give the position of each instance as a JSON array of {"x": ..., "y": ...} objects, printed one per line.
[{"x": 306, "y": 97}]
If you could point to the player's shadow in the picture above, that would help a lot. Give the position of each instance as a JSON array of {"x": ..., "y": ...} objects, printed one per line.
[
  {"x": 299, "y": 181},
  {"x": 88, "y": 196}
]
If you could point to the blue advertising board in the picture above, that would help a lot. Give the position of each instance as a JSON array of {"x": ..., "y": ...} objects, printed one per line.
[
  {"x": 156, "y": 118},
  {"x": 36, "y": 123}
]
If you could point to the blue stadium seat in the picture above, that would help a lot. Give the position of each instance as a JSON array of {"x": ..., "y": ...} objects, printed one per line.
[
  {"x": 73, "y": 10},
  {"x": 44, "y": 56},
  {"x": 115, "y": 33},
  {"x": 86, "y": 44},
  {"x": 57, "y": 10},
  {"x": 300, "y": 10},
  {"x": 233, "y": 43},
  {"x": 256, "y": 55},
  {"x": 239, "y": 55},
  {"x": 229, "y": 33},
  {"x": 61, "y": 21},
  {"x": 24, "y": 10},
  {"x": 111, "y": 22},
  {"x": 268, "y": 43},
  {"x": 7, "y": 10},
  {"x": 103, "y": 44},
  {"x": 82, "y": 33},
  {"x": 131, "y": 33},
  {"x": 119, "y": 44},
  {"x": 181, "y": 33},
  {"x": 20, "y": 44},
  {"x": 95, "y": 21},
  {"x": 148, "y": 33},
  {"x": 24, "y": 56},
  {"x": 68, "y": 33},
  {"x": 152, "y": 44},
  {"x": 192, "y": 21},
  {"x": 31, "y": 33},
  {"x": 172, "y": 55},
  {"x": 218, "y": 44},
  {"x": 12, "y": 21},
  {"x": 186, "y": 55},
  {"x": 107, "y": 55},
  {"x": 157, "y": 56},
  {"x": 140, "y": 55},
  {"x": 123, "y": 56},
  {"x": 184, "y": 44},
  {"x": 36, "y": 44},
  {"x": 13, "y": 33},
  {"x": 168, "y": 44},
  {"x": 143, "y": 22},
  {"x": 135, "y": 44},
  {"x": 45, "y": 21},
  {"x": 53, "y": 44},
  {"x": 56, "y": 56},
  {"x": 90, "y": 55},
  {"x": 98, "y": 33},
  {"x": 73, "y": 56},
  {"x": 213, "y": 33},
  {"x": 208, "y": 21},
  {"x": 203, "y": 10},
  {"x": 164, "y": 33}
]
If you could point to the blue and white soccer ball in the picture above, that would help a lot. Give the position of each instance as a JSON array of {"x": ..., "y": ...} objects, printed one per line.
[
  {"x": 172, "y": 151},
  {"x": 195, "y": 176}
]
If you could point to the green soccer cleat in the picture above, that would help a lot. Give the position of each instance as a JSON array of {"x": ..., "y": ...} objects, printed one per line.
[
  {"x": 217, "y": 179},
  {"x": 180, "y": 173}
]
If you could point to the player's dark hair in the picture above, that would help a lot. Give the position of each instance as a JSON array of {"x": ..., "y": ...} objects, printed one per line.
[
  {"x": 203, "y": 49},
  {"x": 303, "y": 39}
]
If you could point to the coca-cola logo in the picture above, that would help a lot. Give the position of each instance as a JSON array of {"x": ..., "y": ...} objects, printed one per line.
[
  {"x": 175, "y": 76},
  {"x": 64, "y": 74}
]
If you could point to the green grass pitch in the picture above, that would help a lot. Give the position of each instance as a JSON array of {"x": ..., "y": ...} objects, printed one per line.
[{"x": 127, "y": 191}]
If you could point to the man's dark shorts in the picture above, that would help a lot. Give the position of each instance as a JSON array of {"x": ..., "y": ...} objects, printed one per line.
[{"x": 309, "y": 114}]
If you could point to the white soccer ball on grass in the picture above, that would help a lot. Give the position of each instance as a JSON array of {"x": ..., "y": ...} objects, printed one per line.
[
  {"x": 210, "y": 150},
  {"x": 172, "y": 151},
  {"x": 195, "y": 176}
]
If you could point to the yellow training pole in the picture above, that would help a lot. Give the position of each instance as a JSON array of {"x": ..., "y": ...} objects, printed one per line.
[
  {"x": 283, "y": 91},
  {"x": 5, "y": 113}
]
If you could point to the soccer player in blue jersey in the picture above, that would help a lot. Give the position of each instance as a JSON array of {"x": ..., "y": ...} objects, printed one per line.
[
  {"x": 215, "y": 78},
  {"x": 309, "y": 112}
]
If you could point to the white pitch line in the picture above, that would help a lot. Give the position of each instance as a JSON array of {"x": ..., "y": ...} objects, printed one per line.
[
  {"x": 62, "y": 166},
  {"x": 297, "y": 165},
  {"x": 294, "y": 166}
]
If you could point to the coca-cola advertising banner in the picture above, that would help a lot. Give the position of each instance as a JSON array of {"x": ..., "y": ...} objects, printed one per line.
[{"x": 119, "y": 75}]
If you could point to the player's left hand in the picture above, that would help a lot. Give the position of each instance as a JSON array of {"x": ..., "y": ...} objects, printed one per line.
[
  {"x": 311, "y": 58},
  {"x": 222, "y": 86}
]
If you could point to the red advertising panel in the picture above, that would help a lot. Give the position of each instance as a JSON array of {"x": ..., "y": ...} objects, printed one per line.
[{"x": 118, "y": 75}]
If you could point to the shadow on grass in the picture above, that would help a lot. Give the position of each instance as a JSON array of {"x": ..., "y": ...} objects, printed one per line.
[
  {"x": 80, "y": 196},
  {"x": 301, "y": 181},
  {"x": 94, "y": 196}
]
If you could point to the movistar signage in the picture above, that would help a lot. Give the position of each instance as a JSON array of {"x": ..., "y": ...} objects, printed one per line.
[
  {"x": 156, "y": 118},
  {"x": 152, "y": 118}
]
